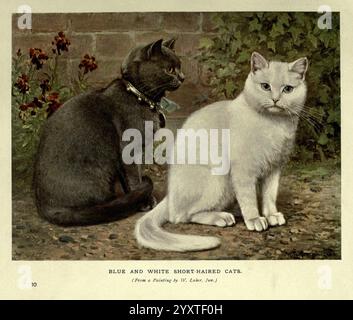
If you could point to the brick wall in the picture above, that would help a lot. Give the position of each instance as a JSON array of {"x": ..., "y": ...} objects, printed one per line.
[{"x": 110, "y": 36}]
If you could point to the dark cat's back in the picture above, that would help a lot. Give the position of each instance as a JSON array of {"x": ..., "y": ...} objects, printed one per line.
[
  {"x": 78, "y": 156},
  {"x": 79, "y": 175},
  {"x": 77, "y": 142}
]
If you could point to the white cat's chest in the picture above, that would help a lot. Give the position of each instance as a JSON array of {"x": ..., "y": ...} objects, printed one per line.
[{"x": 259, "y": 143}]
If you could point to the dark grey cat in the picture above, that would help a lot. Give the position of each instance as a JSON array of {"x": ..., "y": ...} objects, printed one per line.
[{"x": 79, "y": 176}]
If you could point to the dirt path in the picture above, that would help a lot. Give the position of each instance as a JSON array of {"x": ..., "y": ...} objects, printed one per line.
[{"x": 309, "y": 198}]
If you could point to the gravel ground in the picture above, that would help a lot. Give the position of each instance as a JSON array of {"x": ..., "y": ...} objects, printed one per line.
[{"x": 309, "y": 198}]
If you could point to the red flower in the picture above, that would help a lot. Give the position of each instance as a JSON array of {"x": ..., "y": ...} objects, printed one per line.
[
  {"x": 53, "y": 103},
  {"x": 88, "y": 63},
  {"x": 38, "y": 56},
  {"x": 36, "y": 103},
  {"x": 61, "y": 43},
  {"x": 45, "y": 86},
  {"x": 24, "y": 107},
  {"x": 22, "y": 83}
]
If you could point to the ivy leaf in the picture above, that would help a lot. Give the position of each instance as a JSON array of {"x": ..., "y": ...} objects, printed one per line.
[
  {"x": 324, "y": 97},
  {"x": 323, "y": 139},
  {"x": 254, "y": 25},
  {"x": 229, "y": 87},
  {"x": 262, "y": 38},
  {"x": 284, "y": 19},
  {"x": 296, "y": 33},
  {"x": 206, "y": 43},
  {"x": 333, "y": 116},
  {"x": 235, "y": 46},
  {"x": 271, "y": 45},
  {"x": 325, "y": 38},
  {"x": 243, "y": 56},
  {"x": 312, "y": 39},
  {"x": 277, "y": 30}
]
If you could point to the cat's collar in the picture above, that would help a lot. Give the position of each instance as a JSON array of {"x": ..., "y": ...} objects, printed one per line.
[
  {"x": 140, "y": 96},
  {"x": 153, "y": 106}
]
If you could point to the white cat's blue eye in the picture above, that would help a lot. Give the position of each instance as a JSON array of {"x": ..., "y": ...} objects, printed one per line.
[
  {"x": 288, "y": 89},
  {"x": 265, "y": 86}
]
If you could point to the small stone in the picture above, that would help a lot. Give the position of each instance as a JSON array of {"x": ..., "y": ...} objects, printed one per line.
[
  {"x": 315, "y": 204},
  {"x": 94, "y": 247},
  {"x": 84, "y": 237},
  {"x": 278, "y": 251},
  {"x": 315, "y": 188},
  {"x": 298, "y": 201},
  {"x": 113, "y": 236},
  {"x": 88, "y": 254},
  {"x": 66, "y": 239}
]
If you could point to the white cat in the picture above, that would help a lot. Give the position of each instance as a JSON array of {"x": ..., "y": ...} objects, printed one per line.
[{"x": 262, "y": 121}]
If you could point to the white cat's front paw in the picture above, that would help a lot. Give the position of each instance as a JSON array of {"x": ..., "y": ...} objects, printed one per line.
[
  {"x": 258, "y": 224},
  {"x": 224, "y": 219},
  {"x": 276, "y": 219}
]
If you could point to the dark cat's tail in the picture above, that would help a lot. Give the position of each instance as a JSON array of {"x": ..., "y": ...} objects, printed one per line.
[
  {"x": 114, "y": 210},
  {"x": 149, "y": 233}
]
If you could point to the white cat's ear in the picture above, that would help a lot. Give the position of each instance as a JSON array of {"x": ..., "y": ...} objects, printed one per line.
[
  {"x": 154, "y": 48},
  {"x": 170, "y": 43},
  {"x": 300, "y": 66},
  {"x": 258, "y": 62}
]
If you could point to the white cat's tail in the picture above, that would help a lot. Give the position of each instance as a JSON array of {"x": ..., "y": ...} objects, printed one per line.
[{"x": 149, "y": 233}]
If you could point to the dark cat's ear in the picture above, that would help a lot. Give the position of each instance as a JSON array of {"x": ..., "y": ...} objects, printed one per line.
[
  {"x": 170, "y": 43},
  {"x": 258, "y": 62},
  {"x": 300, "y": 66},
  {"x": 154, "y": 48}
]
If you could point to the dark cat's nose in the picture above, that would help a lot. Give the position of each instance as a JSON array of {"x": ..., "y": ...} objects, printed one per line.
[
  {"x": 181, "y": 76},
  {"x": 275, "y": 100}
]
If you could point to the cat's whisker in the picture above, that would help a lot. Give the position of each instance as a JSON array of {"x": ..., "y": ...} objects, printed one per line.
[
  {"x": 317, "y": 120},
  {"x": 309, "y": 121},
  {"x": 312, "y": 111},
  {"x": 313, "y": 118},
  {"x": 309, "y": 113},
  {"x": 315, "y": 114}
]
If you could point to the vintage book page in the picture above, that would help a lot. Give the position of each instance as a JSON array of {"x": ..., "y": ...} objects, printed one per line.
[{"x": 54, "y": 51}]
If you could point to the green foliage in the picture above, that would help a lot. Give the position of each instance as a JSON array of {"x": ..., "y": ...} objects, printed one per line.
[{"x": 284, "y": 37}]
